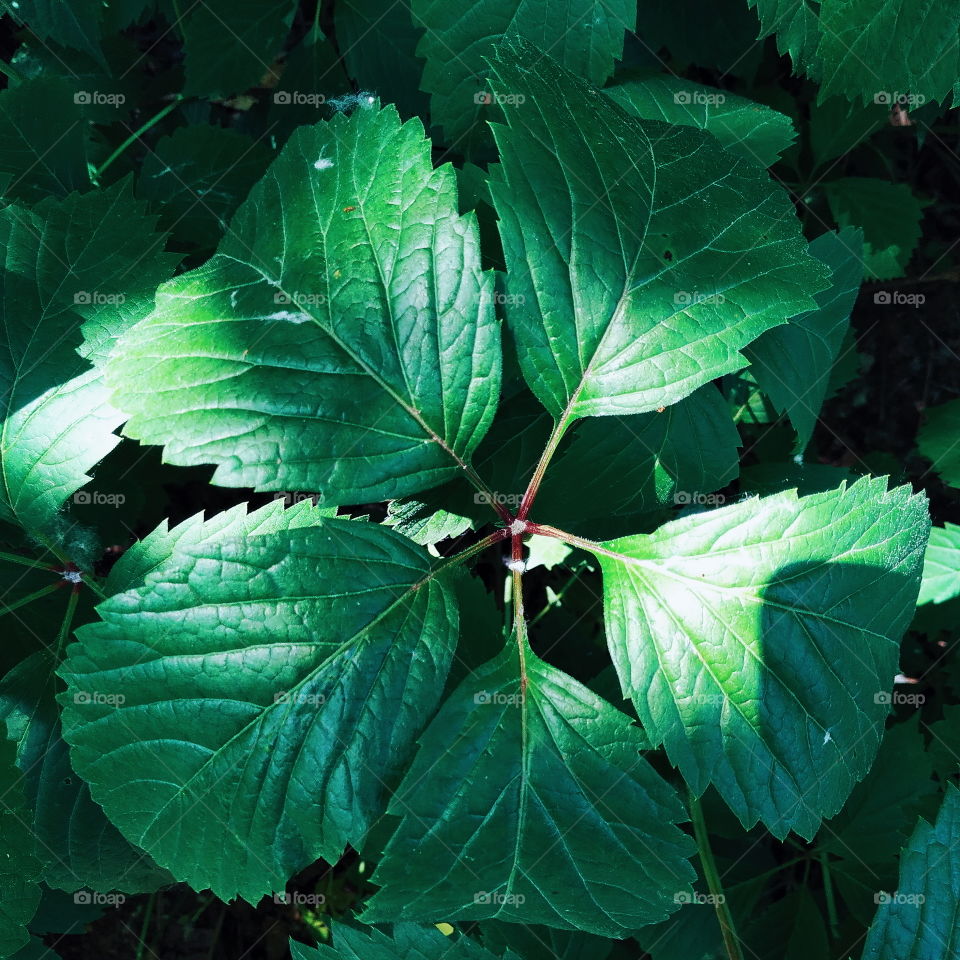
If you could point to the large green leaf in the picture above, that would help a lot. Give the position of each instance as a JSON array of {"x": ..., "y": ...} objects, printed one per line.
[
  {"x": 641, "y": 256},
  {"x": 529, "y": 801},
  {"x": 586, "y": 36},
  {"x": 941, "y": 565},
  {"x": 78, "y": 846},
  {"x": 19, "y": 867},
  {"x": 92, "y": 260},
  {"x": 920, "y": 920},
  {"x": 272, "y": 688},
  {"x": 342, "y": 340},
  {"x": 747, "y": 129},
  {"x": 793, "y": 363},
  {"x": 758, "y": 642},
  {"x": 408, "y": 942}
]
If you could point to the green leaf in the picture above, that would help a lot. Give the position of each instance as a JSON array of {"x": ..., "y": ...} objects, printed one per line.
[
  {"x": 869, "y": 51},
  {"x": 710, "y": 33},
  {"x": 529, "y": 801},
  {"x": 795, "y": 24},
  {"x": 342, "y": 340},
  {"x": 907, "y": 47},
  {"x": 75, "y": 24},
  {"x": 889, "y": 215},
  {"x": 793, "y": 363},
  {"x": 379, "y": 42},
  {"x": 625, "y": 466},
  {"x": 941, "y": 566},
  {"x": 837, "y": 126},
  {"x": 877, "y": 819},
  {"x": 921, "y": 919},
  {"x": 585, "y": 36},
  {"x": 272, "y": 688},
  {"x": 156, "y": 549},
  {"x": 197, "y": 177},
  {"x": 754, "y": 641},
  {"x": 229, "y": 45},
  {"x": 19, "y": 867},
  {"x": 78, "y": 846},
  {"x": 745, "y": 128},
  {"x": 939, "y": 440},
  {"x": 42, "y": 140},
  {"x": 641, "y": 257},
  {"x": 543, "y": 943},
  {"x": 408, "y": 942},
  {"x": 92, "y": 260}
]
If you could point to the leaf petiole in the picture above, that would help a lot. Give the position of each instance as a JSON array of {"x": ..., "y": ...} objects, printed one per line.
[{"x": 725, "y": 918}]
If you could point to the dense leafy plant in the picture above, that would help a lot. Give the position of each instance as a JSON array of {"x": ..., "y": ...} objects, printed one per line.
[{"x": 418, "y": 417}]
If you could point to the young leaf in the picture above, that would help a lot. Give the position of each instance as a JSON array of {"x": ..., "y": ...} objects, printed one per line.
[
  {"x": 792, "y": 363},
  {"x": 641, "y": 257},
  {"x": 585, "y": 36},
  {"x": 19, "y": 867},
  {"x": 921, "y": 919},
  {"x": 941, "y": 565},
  {"x": 91, "y": 260},
  {"x": 758, "y": 640},
  {"x": 528, "y": 800},
  {"x": 409, "y": 941},
  {"x": 745, "y": 128},
  {"x": 341, "y": 341},
  {"x": 257, "y": 695}
]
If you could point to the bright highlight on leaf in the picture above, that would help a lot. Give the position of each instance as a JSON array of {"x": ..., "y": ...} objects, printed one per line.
[
  {"x": 641, "y": 257},
  {"x": 747, "y": 634},
  {"x": 341, "y": 341}
]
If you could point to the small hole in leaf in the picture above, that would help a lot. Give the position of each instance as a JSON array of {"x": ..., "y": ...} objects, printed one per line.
[{"x": 667, "y": 255}]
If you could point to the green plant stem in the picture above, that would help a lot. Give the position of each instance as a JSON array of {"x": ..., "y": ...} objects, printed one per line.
[
  {"x": 67, "y": 623},
  {"x": 545, "y": 530},
  {"x": 478, "y": 547},
  {"x": 30, "y": 597},
  {"x": 530, "y": 494},
  {"x": 727, "y": 930},
  {"x": 148, "y": 913},
  {"x": 832, "y": 916},
  {"x": 155, "y": 119},
  {"x": 25, "y": 561},
  {"x": 10, "y": 72}
]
